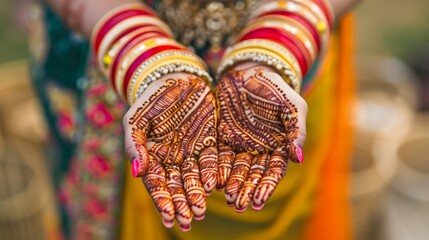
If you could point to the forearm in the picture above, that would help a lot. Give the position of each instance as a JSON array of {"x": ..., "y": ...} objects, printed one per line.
[
  {"x": 83, "y": 15},
  {"x": 342, "y": 6}
]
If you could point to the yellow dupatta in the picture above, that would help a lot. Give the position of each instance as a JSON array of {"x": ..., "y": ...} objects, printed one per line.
[{"x": 310, "y": 202}]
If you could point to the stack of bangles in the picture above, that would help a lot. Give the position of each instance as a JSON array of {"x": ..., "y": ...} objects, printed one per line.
[
  {"x": 286, "y": 35},
  {"x": 134, "y": 47}
]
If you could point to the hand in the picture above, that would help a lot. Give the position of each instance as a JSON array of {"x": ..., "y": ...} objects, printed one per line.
[
  {"x": 170, "y": 136},
  {"x": 262, "y": 127}
]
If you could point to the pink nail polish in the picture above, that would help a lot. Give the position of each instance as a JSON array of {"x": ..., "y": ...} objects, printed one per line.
[
  {"x": 135, "y": 165},
  {"x": 185, "y": 228},
  {"x": 199, "y": 218},
  {"x": 299, "y": 154},
  {"x": 257, "y": 207},
  {"x": 168, "y": 223}
]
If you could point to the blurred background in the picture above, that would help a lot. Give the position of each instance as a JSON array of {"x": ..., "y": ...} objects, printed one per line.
[{"x": 390, "y": 162}]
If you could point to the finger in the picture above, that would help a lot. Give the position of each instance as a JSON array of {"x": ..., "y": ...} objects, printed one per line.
[
  {"x": 155, "y": 183},
  {"x": 238, "y": 176},
  {"x": 135, "y": 148},
  {"x": 226, "y": 158},
  {"x": 175, "y": 188},
  {"x": 208, "y": 165},
  {"x": 194, "y": 189},
  {"x": 294, "y": 121},
  {"x": 256, "y": 172},
  {"x": 276, "y": 169}
]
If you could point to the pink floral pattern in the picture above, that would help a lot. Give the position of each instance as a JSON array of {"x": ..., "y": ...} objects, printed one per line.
[{"x": 94, "y": 180}]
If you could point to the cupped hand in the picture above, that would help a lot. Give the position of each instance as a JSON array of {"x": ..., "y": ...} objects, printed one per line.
[
  {"x": 170, "y": 138},
  {"x": 261, "y": 128}
]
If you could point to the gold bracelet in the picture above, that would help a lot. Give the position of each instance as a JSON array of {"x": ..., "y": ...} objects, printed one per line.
[
  {"x": 145, "y": 72},
  {"x": 118, "y": 45},
  {"x": 280, "y": 52},
  {"x": 293, "y": 28},
  {"x": 317, "y": 20},
  {"x": 121, "y": 27},
  {"x": 133, "y": 54},
  {"x": 106, "y": 17},
  {"x": 265, "y": 57}
]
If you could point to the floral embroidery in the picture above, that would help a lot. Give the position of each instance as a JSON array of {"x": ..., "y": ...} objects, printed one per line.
[{"x": 94, "y": 181}]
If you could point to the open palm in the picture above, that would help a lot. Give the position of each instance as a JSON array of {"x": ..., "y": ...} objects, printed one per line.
[
  {"x": 261, "y": 128},
  {"x": 171, "y": 138}
]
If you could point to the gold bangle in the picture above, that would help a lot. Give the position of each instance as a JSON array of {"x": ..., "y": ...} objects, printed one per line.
[
  {"x": 265, "y": 57},
  {"x": 323, "y": 23},
  {"x": 298, "y": 7},
  {"x": 129, "y": 57},
  {"x": 118, "y": 45},
  {"x": 292, "y": 27},
  {"x": 143, "y": 77},
  {"x": 156, "y": 62},
  {"x": 277, "y": 49},
  {"x": 173, "y": 68},
  {"x": 121, "y": 27},
  {"x": 106, "y": 17}
]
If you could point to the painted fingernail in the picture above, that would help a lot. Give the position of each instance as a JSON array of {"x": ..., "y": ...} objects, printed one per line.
[
  {"x": 240, "y": 210},
  {"x": 300, "y": 155},
  {"x": 135, "y": 165},
  {"x": 199, "y": 218},
  {"x": 185, "y": 227},
  {"x": 257, "y": 207},
  {"x": 168, "y": 224}
]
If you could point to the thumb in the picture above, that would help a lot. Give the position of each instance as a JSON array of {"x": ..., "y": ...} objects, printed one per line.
[
  {"x": 299, "y": 131},
  {"x": 135, "y": 148}
]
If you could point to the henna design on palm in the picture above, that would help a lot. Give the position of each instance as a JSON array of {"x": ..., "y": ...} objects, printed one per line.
[
  {"x": 172, "y": 135},
  {"x": 260, "y": 131}
]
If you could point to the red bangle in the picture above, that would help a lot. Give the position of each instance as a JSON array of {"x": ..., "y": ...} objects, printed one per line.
[
  {"x": 303, "y": 21},
  {"x": 139, "y": 27},
  {"x": 114, "y": 20},
  {"x": 135, "y": 40},
  {"x": 143, "y": 57},
  {"x": 322, "y": 5},
  {"x": 287, "y": 40}
]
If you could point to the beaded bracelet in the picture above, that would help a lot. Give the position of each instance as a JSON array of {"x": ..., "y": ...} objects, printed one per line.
[
  {"x": 282, "y": 67},
  {"x": 167, "y": 69},
  {"x": 285, "y": 39},
  {"x": 281, "y": 52},
  {"x": 141, "y": 74}
]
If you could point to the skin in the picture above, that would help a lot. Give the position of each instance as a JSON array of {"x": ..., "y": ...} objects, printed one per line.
[
  {"x": 178, "y": 166},
  {"x": 171, "y": 131},
  {"x": 261, "y": 127}
]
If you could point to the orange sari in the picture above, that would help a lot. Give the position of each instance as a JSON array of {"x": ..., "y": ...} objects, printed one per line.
[{"x": 312, "y": 200}]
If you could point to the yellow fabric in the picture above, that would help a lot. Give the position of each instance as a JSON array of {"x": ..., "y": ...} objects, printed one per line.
[{"x": 294, "y": 203}]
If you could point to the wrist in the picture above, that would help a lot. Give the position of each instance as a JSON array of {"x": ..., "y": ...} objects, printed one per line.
[
  {"x": 135, "y": 48},
  {"x": 287, "y": 36}
]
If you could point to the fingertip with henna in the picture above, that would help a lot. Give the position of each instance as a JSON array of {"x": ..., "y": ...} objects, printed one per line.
[
  {"x": 167, "y": 223},
  {"x": 199, "y": 217},
  {"x": 240, "y": 210},
  {"x": 258, "y": 207},
  {"x": 185, "y": 227}
]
